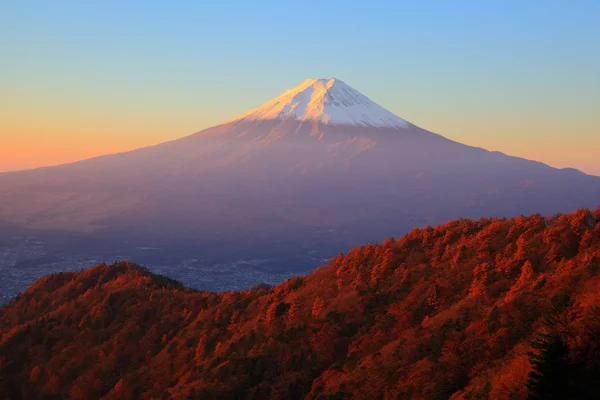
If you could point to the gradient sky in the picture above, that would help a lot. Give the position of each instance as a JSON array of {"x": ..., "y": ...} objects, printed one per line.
[{"x": 79, "y": 79}]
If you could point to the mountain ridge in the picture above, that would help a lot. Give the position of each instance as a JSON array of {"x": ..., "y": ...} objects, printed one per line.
[{"x": 442, "y": 312}]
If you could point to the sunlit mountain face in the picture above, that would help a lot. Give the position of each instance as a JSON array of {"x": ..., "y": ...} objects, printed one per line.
[{"x": 273, "y": 192}]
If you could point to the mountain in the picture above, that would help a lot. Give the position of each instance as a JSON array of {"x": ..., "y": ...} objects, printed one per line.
[
  {"x": 326, "y": 101},
  {"x": 463, "y": 310},
  {"x": 315, "y": 171}
]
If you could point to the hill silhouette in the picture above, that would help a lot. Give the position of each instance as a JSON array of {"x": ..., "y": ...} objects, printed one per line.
[{"x": 471, "y": 309}]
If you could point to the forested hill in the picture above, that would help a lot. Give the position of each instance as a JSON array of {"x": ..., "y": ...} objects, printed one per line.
[{"x": 498, "y": 309}]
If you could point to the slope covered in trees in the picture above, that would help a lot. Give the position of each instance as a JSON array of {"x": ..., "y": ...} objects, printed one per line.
[{"x": 494, "y": 308}]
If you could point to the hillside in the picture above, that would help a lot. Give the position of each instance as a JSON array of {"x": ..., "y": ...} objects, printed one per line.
[{"x": 450, "y": 311}]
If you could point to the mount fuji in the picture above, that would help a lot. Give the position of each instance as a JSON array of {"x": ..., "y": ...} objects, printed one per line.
[
  {"x": 328, "y": 101},
  {"x": 312, "y": 172}
]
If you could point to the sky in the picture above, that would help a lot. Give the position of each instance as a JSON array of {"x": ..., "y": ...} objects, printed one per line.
[{"x": 80, "y": 79}]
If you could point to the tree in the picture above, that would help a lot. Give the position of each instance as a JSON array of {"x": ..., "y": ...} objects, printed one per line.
[
  {"x": 318, "y": 307},
  {"x": 549, "y": 378},
  {"x": 552, "y": 367},
  {"x": 293, "y": 312},
  {"x": 271, "y": 316}
]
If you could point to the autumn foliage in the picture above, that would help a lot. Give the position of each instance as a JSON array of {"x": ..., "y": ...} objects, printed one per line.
[{"x": 481, "y": 309}]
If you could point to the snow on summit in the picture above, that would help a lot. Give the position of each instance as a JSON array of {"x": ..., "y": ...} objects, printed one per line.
[{"x": 329, "y": 101}]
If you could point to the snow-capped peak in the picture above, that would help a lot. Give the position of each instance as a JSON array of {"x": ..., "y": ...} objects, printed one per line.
[{"x": 329, "y": 101}]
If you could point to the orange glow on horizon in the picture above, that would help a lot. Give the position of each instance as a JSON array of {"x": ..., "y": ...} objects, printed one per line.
[{"x": 31, "y": 146}]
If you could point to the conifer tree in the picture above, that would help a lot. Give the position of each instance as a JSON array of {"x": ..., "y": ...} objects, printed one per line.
[{"x": 551, "y": 377}]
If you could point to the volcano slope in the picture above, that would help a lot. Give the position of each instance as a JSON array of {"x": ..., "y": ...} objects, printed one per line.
[{"x": 315, "y": 171}]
